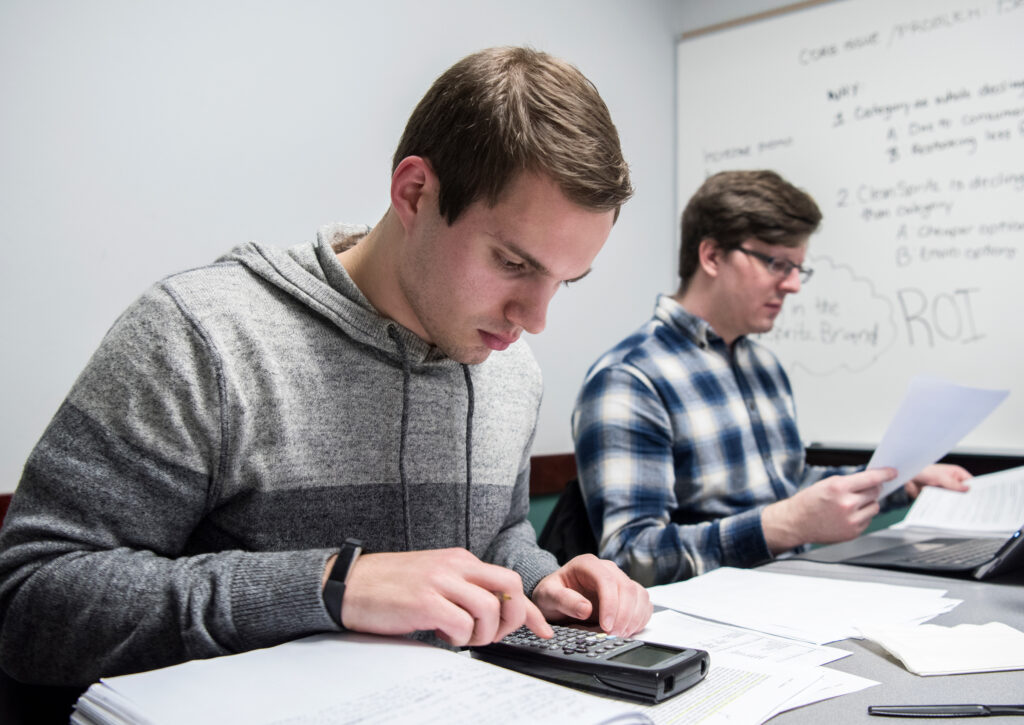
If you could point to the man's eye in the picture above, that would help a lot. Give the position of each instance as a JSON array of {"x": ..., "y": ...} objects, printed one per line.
[{"x": 510, "y": 265}]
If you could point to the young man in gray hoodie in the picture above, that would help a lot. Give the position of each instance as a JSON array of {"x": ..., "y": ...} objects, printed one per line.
[{"x": 335, "y": 435}]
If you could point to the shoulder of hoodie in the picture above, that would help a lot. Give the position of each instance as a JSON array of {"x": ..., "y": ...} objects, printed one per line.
[
  {"x": 227, "y": 278},
  {"x": 221, "y": 270}
]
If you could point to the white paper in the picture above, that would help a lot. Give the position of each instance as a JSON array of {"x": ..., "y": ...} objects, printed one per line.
[
  {"x": 344, "y": 679},
  {"x": 738, "y": 689},
  {"x": 832, "y": 683},
  {"x": 735, "y": 690},
  {"x": 933, "y": 417},
  {"x": 764, "y": 674},
  {"x": 993, "y": 505},
  {"x": 810, "y": 609},
  {"x": 930, "y": 649},
  {"x": 340, "y": 679},
  {"x": 681, "y": 630}
]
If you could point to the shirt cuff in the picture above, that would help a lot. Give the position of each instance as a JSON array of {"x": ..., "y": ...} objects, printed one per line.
[{"x": 742, "y": 539}]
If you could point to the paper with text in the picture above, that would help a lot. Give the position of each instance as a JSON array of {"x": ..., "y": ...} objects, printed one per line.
[
  {"x": 348, "y": 679},
  {"x": 809, "y": 609},
  {"x": 739, "y": 689},
  {"x": 993, "y": 505},
  {"x": 681, "y": 630}
]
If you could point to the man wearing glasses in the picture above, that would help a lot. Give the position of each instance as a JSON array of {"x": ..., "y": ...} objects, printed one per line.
[{"x": 687, "y": 447}]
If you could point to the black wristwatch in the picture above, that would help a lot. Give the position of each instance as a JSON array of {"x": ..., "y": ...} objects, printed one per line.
[{"x": 334, "y": 589}]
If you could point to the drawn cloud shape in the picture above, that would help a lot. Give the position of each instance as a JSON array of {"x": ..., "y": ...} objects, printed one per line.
[{"x": 838, "y": 322}]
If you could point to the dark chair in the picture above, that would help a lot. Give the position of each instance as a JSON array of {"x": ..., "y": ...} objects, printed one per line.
[
  {"x": 567, "y": 532},
  {"x": 5, "y": 501}
]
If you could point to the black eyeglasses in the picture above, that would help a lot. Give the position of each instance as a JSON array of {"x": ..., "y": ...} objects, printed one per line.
[{"x": 778, "y": 266}]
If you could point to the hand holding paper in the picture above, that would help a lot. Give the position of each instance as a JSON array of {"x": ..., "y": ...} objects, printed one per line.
[{"x": 933, "y": 417}]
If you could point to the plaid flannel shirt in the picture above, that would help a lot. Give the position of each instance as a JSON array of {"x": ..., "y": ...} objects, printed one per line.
[{"x": 680, "y": 443}]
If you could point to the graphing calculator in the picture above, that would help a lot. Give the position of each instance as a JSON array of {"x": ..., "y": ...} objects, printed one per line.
[{"x": 626, "y": 668}]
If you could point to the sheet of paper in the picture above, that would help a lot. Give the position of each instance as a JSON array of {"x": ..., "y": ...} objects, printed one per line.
[
  {"x": 933, "y": 417},
  {"x": 993, "y": 505},
  {"x": 347, "y": 679},
  {"x": 681, "y": 630},
  {"x": 313, "y": 681},
  {"x": 738, "y": 689},
  {"x": 743, "y": 648},
  {"x": 809, "y": 609},
  {"x": 930, "y": 649},
  {"x": 833, "y": 683},
  {"x": 735, "y": 690}
]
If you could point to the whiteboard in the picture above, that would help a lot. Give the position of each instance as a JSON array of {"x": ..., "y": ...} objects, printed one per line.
[{"x": 904, "y": 119}]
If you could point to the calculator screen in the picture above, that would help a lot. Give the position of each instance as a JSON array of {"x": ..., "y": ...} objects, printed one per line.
[{"x": 646, "y": 656}]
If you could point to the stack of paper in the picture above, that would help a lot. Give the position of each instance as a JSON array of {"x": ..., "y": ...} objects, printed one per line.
[
  {"x": 361, "y": 678},
  {"x": 753, "y": 677},
  {"x": 933, "y": 650},
  {"x": 743, "y": 690},
  {"x": 993, "y": 505},
  {"x": 681, "y": 630},
  {"x": 341, "y": 679},
  {"x": 811, "y": 609}
]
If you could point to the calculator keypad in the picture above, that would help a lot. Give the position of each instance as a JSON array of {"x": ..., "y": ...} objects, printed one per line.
[{"x": 569, "y": 641}]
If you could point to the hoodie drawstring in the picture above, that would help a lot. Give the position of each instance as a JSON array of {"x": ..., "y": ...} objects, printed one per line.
[
  {"x": 406, "y": 374},
  {"x": 469, "y": 444}
]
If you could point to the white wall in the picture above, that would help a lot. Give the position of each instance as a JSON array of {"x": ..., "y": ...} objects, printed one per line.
[{"x": 138, "y": 138}]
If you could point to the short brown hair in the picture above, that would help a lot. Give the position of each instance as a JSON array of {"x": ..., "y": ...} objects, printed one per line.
[
  {"x": 502, "y": 111},
  {"x": 732, "y": 206}
]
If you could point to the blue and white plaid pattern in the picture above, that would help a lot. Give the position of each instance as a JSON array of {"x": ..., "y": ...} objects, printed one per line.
[{"x": 680, "y": 443}]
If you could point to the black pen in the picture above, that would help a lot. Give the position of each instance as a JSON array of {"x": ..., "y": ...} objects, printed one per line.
[{"x": 945, "y": 710}]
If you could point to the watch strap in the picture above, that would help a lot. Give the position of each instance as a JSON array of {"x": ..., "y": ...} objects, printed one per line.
[{"x": 334, "y": 589}]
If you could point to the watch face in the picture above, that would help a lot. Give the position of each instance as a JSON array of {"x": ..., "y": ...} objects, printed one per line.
[{"x": 350, "y": 551}]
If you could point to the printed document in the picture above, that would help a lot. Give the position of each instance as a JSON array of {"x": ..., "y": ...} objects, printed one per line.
[
  {"x": 343, "y": 678},
  {"x": 809, "y": 609},
  {"x": 993, "y": 505}
]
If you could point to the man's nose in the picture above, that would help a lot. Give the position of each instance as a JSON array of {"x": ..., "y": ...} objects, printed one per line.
[
  {"x": 791, "y": 282},
  {"x": 529, "y": 310}
]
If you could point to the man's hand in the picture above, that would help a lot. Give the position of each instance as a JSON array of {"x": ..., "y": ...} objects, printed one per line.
[
  {"x": 588, "y": 588},
  {"x": 450, "y": 591},
  {"x": 837, "y": 508},
  {"x": 943, "y": 475}
]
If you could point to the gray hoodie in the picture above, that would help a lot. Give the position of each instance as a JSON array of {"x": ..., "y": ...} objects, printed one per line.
[{"x": 236, "y": 424}]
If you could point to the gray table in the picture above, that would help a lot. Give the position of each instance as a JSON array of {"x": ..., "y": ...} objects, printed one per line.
[{"x": 1001, "y": 600}]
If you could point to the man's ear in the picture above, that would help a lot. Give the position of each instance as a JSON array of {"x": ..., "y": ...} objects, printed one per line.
[
  {"x": 414, "y": 189},
  {"x": 710, "y": 256}
]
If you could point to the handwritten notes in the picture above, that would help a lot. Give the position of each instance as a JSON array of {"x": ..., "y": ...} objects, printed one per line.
[{"x": 905, "y": 121}]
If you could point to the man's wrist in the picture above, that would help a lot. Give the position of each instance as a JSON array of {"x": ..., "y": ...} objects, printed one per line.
[
  {"x": 779, "y": 533},
  {"x": 334, "y": 585}
]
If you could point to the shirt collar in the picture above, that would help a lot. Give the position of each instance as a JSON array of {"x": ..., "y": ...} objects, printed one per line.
[{"x": 669, "y": 311}]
